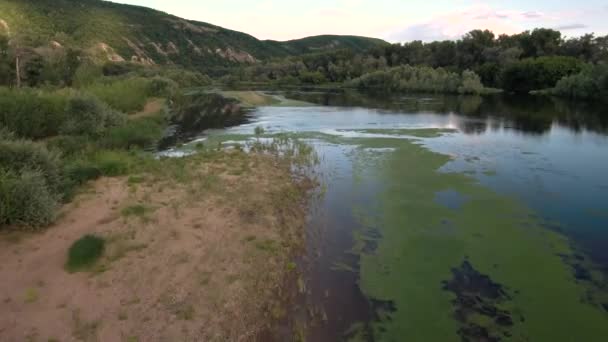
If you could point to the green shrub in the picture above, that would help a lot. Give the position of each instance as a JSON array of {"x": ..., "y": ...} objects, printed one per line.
[
  {"x": 113, "y": 163},
  {"x": 183, "y": 78},
  {"x": 20, "y": 155},
  {"x": 162, "y": 87},
  {"x": 82, "y": 171},
  {"x": 120, "y": 68},
  {"x": 420, "y": 79},
  {"x": 140, "y": 133},
  {"x": 126, "y": 95},
  {"x": 86, "y": 74},
  {"x": 5, "y": 134},
  {"x": 30, "y": 113},
  {"x": 84, "y": 252},
  {"x": 69, "y": 145},
  {"x": 86, "y": 115},
  {"x": 25, "y": 199},
  {"x": 590, "y": 84}
]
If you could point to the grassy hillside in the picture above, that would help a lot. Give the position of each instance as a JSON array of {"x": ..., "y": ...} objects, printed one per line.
[{"x": 117, "y": 31}]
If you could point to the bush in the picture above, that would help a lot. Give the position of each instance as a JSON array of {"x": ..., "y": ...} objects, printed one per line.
[
  {"x": 538, "y": 73},
  {"x": 69, "y": 145},
  {"x": 86, "y": 74},
  {"x": 126, "y": 95},
  {"x": 84, "y": 252},
  {"x": 183, "y": 78},
  {"x": 86, "y": 115},
  {"x": 19, "y": 155},
  {"x": 141, "y": 133},
  {"x": 25, "y": 199},
  {"x": 81, "y": 171},
  {"x": 420, "y": 79},
  {"x": 162, "y": 87},
  {"x": 120, "y": 68},
  {"x": 590, "y": 84},
  {"x": 113, "y": 163},
  {"x": 31, "y": 114}
]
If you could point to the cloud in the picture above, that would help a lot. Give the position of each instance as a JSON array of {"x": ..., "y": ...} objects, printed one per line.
[
  {"x": 454, "y": 24},
  {"x": 532, "y": 15},
  {"x": 571, "y": 27}
]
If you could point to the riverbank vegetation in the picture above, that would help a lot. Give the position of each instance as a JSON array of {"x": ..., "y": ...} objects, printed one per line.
[
  {"x": 519, "y": 63},
  {"x": 79, "y": 175}
]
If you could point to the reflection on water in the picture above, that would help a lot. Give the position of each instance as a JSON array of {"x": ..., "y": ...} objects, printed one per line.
[{"x": 526, "y": 114}]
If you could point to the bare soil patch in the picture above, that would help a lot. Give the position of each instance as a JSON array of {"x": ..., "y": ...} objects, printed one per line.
[{"x": 153, "y": 106}]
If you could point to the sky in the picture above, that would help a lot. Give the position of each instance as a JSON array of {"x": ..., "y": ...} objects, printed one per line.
[{"x": 392, "y": 20}]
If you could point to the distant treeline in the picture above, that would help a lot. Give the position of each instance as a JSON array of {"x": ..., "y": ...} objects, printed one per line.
[{"x": 532, "y": 60}]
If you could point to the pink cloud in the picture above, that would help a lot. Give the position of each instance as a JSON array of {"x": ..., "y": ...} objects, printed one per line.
[{"x": 454, "y": 24}]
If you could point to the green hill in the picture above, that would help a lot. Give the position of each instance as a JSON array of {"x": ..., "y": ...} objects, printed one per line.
[
  {"x": 111, "y": 31},
  {"x": 326, "y": 43}
]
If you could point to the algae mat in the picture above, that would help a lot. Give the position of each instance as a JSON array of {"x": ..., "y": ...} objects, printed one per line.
[{"x": 444, "y": 259}]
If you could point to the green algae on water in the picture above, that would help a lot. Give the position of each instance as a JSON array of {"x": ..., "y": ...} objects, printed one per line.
[{"x": 415, "y": 255}]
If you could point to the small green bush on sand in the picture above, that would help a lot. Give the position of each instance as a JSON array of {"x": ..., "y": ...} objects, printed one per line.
[{"x": 84, "y": 252}]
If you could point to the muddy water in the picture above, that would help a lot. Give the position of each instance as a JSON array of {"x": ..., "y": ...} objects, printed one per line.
[{"x": 446, "y": 219}]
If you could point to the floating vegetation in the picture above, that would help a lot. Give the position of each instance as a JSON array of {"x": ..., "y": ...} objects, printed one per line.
[{"x": 414, "y": 254}]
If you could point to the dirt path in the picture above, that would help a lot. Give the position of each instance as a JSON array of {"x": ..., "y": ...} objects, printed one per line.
[
  {"x": 152, "y": 107},
  {"x": 200, "y": 260}
]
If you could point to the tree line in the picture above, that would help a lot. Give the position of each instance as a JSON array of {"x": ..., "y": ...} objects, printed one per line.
[{"x": 531, "y": 60}]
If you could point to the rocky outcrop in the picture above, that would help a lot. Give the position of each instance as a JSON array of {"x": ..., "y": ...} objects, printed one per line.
[
  {"x": 158, "y": 48},
  {"x": 236, "y": 56},
  {"x": 4, "y": 28},
  {"x": 172, "y": 48},
  {"x": 140, "y": 55},
  {"x": 106, "y": 52},
  {"x": 195, "y": 48}
]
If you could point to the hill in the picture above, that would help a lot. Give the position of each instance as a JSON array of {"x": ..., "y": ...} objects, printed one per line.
[{"x": 111, "y": 31}]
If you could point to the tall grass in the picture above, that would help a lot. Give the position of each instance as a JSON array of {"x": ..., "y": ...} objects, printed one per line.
[{"x": 129, "y": 95}]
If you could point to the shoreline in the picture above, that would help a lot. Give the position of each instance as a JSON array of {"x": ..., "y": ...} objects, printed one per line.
[{"x": 170, "y": 270}]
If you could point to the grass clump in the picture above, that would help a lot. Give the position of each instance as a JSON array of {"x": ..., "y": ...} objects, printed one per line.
[
  {"x": 31, "y": 296},
  {"x": 138, "y": 210},
  {"x": 85, "y": 252}
]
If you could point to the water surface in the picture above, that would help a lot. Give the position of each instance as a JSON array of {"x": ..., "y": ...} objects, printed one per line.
[{"x": 447, "y": 218}]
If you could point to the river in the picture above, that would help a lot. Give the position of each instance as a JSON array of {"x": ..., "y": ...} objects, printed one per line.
[{"x": 442, "y": 218}]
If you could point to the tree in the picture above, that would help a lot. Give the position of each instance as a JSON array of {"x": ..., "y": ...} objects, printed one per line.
[
  {"x": 472, "y": 47},
  {"x": 538, "y": 73},
  {"x": 6, "y": 68},
  {"x": 540, "y": 42}
]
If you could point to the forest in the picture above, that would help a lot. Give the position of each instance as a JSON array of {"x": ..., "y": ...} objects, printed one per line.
[{"x": 530, "y": 61}]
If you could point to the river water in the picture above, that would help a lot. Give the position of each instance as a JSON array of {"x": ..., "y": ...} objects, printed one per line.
[{"x": 450, "y": 218}]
